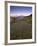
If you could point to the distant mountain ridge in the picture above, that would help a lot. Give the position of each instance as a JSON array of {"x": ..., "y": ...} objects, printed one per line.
[{"x": 21, "y": 18}]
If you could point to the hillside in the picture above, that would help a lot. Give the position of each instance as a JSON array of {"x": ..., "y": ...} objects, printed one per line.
[
  {"x": 21, "y": 28},
  {"x": 26, "y": 19}
]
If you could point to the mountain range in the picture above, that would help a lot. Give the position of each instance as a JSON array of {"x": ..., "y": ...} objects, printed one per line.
[{"x": 20, "y": 18}]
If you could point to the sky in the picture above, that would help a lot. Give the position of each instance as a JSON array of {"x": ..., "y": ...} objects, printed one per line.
[{"x": 20, "y": 11}]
